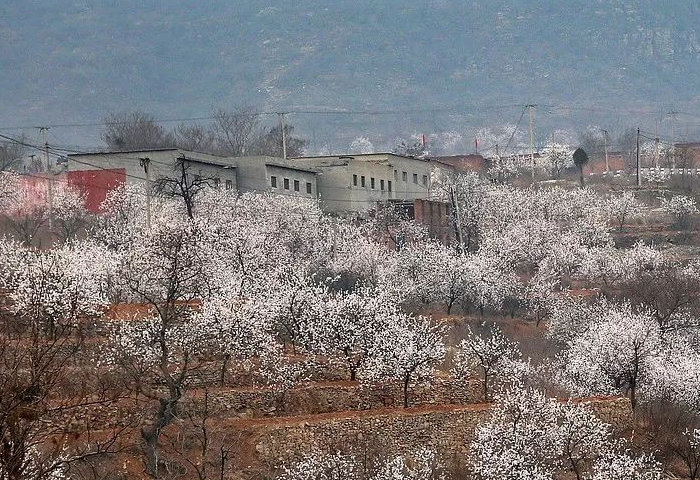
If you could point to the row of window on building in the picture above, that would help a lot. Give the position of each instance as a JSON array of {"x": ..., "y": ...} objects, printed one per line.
[
  {"x": 286, "y": 184},
  {"x": 373, "y": 184},
  {"x": 217, "y": 182}
]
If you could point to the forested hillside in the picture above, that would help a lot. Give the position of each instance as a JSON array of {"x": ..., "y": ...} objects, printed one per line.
[{"x": 71, "y": 61}]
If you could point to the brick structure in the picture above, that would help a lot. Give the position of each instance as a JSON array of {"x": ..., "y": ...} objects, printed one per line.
[
  {"x": 436, "y": 216},
  {"x": 465, "y": 163},
  {"x": 96, "y": 184}
]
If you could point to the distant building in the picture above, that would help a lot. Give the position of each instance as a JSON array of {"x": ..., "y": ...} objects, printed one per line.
[
  {"x": 98, "y": 173},
  {"x": 435, "y": 216},
  {"x": 343, "y": 183},
  {"x": 353, "y": 183},
  {"x": 465, "y": 163},
  {"x": 272, "y": 174}
]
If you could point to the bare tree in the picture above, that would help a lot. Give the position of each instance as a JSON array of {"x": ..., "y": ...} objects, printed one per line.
[
  {"x": 627, "y": 144},
  {"x": 234, "y": 131},
  {"x": 685, "y": 159},
  {"x": 183, "y": 184},
  {"x": 270, "y": 143},
  {"x": 11, "y": 154},
  {"x": 195, "y": 137},
  {"x": 135, "y": 130},
  {"x": 591, "y": 140}
]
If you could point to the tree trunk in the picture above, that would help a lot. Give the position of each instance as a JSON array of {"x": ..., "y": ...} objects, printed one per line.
[
  {"x": 167, "y": 411},
  {"x": 406, "y": 380},
  {"x": 486, "y": 387},
  {"x": 224, "y": 367},
  {"x": 633, "y": 395}
]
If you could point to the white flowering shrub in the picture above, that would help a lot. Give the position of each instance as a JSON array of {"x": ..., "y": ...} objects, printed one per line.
[
  {"x": 420, "y": 465},
  {"x": 681, "y": 208},
  {"x": 491, "y": 355},
  {"x": 656, "y": 176},
  {"x": 529, "y": 436}
]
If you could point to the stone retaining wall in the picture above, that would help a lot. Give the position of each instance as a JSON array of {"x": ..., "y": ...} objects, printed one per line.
[
  {"x": 449, "y": 429},
  {"x": 266, "y": 402},
  {"x": 331, "y": 397}
]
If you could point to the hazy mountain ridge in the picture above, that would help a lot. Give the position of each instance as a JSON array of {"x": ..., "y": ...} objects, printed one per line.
[{"x": 69, "y": 60}]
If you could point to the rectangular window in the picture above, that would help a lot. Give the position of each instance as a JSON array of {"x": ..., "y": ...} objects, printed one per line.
[
  {"x": 371, "y": 183},
  {"x": 273, "y": 181},
  {"x": 308, "y": 188},
  {"x": 415, "y": 178},
  {"x": 286, "y": 184},
  {"x": 396, "y": 174},
  {"x": 425, "y": 180},
  {"x": 229, "y": 184},
  {"x": 296, "y": 185},
  {"x": 381, "y": 185},
  {"x": 362, "y": 180},
  {"x": 217, "y": 182},
  {"x": 389, "y": 185},
  {"x": 404, "y": 176},
  {"x": 354, "y": 180}
]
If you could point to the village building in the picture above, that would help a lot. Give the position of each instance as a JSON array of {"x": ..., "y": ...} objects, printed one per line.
[
  {"x": 98, "y": 173},
  {"x": 343, "y": 183},
  {"x": 353, "y": 183}
]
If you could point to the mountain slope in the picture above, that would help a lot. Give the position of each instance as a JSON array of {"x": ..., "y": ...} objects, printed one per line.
[{"x": 67, "y": 60}]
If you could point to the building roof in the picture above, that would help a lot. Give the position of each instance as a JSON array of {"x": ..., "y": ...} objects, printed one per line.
[
  {"x": 189, "y": 155},
  {"x": 117, "y": 152},
  {"x": 207, "y": 161},
  {"x": 290, "y": 166},
  {"x": 472, "y": 162},
  {"x": 145, "y": 150},
  {"x": 355, "y": 155}
]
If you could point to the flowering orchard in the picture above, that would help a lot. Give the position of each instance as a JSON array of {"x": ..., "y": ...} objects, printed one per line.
[{"x": 264, "y": 290}]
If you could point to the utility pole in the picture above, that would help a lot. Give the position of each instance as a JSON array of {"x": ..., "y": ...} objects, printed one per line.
[
  {"x": 605, "y": 147},
  {"x": 284, "y": 135},
  {"x": 458, "y": 229},
  {"x": 673, "y": 114},
  {"x": 639, "y": 178},
  {"x": 145, "y": 163},
  {"x": 496, "y": 149},
  {"x": 656, "y": 153},
  {"x": 531, "y": 112},
  {"x": 49, "y": 173}
]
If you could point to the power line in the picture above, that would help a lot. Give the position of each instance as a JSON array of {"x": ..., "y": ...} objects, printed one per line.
[
  {"x": 139, "y": 179},
  {"x": 463, "y": 109},
  {"x": 515, "y": 129}
]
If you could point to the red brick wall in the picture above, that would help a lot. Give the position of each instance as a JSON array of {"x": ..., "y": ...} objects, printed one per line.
[
  {"x": 95, "y": 184},
  {"x": 435, "y": 216}
]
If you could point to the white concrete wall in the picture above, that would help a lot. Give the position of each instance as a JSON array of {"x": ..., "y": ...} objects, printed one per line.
[
  {"x": 163, "y": 163},
  {"x": 340, "y": 181}
]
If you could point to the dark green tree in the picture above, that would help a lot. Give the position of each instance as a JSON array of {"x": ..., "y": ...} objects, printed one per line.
[{"x": 580, "y": 160}]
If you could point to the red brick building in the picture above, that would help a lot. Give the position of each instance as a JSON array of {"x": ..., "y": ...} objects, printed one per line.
[{"x": 465, "y": 163}]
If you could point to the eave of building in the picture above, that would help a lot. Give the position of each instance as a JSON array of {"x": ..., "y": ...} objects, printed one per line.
[
  {"x": 292, "y": 167},
  {"x": 207, "y": 162},
  {"x": 358, "y": 156}
]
